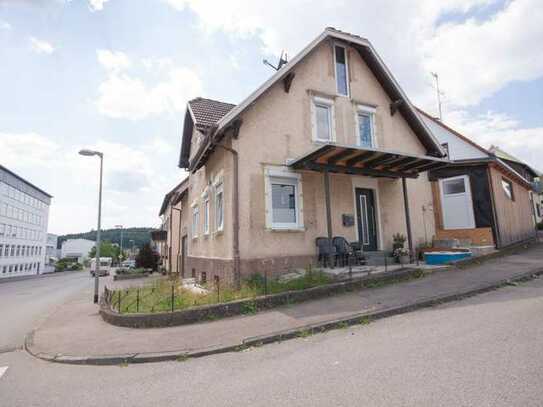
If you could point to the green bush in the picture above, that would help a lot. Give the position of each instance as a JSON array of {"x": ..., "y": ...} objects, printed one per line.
[{"x": 540, "y": 226}]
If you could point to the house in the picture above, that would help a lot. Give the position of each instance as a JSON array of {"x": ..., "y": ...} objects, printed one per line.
[
  {"x": 480, "y": 199},
  {"x": 329, "y": 145}
]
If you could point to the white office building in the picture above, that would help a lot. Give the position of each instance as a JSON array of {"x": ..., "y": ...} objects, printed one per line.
[
  {"x": 24, "y": 216},
  {"x": 76, "y": 249}
]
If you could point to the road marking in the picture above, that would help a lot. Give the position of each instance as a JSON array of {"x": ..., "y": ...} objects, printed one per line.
[{"x": 3, "y": 369}]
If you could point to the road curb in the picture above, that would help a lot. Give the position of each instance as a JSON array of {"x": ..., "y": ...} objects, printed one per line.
[{"x": 278, "y": 336}]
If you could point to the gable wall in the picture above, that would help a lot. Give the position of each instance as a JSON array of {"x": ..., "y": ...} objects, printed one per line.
[{"x": 277, "y": 127}]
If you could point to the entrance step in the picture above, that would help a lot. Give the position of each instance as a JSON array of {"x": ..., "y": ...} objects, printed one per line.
[{"x": 379, "y": 258}]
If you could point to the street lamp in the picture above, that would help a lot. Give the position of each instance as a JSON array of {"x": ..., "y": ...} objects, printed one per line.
[
  {"x": 90, "y": 153},
  {"x": 121, "y": 227}
]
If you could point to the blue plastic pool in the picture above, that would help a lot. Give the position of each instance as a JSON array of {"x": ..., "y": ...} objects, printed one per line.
[{"x": 435, "y": 258}]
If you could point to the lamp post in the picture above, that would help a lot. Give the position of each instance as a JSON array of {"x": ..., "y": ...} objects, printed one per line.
[
  {"x": 90, "y": 153},
  {"x": 121, "y": 227}
]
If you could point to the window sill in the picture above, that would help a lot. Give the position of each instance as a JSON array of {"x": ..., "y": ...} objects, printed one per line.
[
  {"x": 287, "y": 230},
  {"x": 219, "y": 232}
]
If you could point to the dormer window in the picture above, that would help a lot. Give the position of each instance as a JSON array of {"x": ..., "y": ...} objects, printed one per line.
[{"x": 342, "y": 80}]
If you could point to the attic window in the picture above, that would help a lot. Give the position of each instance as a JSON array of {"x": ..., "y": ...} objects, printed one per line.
[{"x": 340, "y": 55}]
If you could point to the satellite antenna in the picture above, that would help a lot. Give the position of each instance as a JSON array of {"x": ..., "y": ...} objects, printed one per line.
[{"x": 282, "y": 61}]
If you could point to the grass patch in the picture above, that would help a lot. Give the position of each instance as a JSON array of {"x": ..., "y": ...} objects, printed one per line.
[{"x": 164, "y": 296}]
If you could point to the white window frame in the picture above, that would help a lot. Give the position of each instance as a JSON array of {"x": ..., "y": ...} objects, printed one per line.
[
  {"x": 205, "y": 199},
  {"x": 371, "y": 111},
  {"x": 292, "y": 178},
  {"x": 219, "y": 190},
  {"x": 195, "y": 220},
  {"x": 329, "y": 103},
  {"x": 347, "y": 78}
]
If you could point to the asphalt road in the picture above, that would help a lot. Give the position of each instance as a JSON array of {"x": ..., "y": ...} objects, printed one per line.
[
  {"x": 483, "y": 351},
  {"x": 24, "y": 303}
]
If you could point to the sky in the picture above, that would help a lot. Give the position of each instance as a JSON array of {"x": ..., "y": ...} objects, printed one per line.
[{"x": 115, "y": 75}]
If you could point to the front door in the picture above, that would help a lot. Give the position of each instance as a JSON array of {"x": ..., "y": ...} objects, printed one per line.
[{"x": 366, "y": 218}]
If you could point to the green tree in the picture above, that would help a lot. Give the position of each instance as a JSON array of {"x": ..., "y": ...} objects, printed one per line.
[
  {"x": 107, "y": 249},
  {"x": 147, "y": 258}
]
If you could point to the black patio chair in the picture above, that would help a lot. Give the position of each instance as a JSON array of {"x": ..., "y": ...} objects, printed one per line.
[
  {"x": 343, "y": 250},
  {"x": 326, "y": 251}
]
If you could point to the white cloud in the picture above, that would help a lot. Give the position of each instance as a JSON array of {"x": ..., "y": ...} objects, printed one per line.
[
  {"x": 113, "y": 61},
  {"x": 123, "y": 95},
  {"x": 475, "y": 59},
  {"x": 40, "y": 46},
  {"x": 96, "y": 5},
  {"x": 134, "y": 178},
  {"x": 4, "y": 25},
  {"x": 502, "y": 130}
]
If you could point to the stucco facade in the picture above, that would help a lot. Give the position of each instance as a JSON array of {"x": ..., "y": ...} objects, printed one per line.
[{"x": 276, "y": 128}]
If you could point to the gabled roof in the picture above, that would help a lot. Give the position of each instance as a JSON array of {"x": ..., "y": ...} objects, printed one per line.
[
  {"x": 498, "y": 152},
  {"x": 373, "y": 61},
  {"x": 174, "y": 195},
  {"x": 207, "y": 112},
  {"x": 453, "y": 131}
]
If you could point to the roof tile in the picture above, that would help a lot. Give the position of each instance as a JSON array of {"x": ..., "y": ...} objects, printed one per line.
[{"x": 207, "y": 112}]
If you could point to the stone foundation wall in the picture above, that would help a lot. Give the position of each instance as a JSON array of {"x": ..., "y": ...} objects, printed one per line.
[{"x": 224, "y": 268}]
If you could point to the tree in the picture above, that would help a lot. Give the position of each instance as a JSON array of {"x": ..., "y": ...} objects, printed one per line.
[
  {"x": 147, "y": 258},
  {"x": 107, "y": 249}
]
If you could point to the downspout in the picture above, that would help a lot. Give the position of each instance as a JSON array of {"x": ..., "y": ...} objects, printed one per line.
[
  {"x": 235, "y": 208},
  {"x": 171, "y": 240}
]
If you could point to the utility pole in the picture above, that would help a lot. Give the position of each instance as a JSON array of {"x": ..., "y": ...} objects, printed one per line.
[{"x": 436, "y": 77}]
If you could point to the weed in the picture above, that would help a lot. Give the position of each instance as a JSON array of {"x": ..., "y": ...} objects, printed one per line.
[
  {"x": 181, "y": 358},
  {"x": 342, "y": 325},
  {"x": 248, "y": 308},
  {"x": 364, "y": 321},
  {"x": 304, "y": 333}
]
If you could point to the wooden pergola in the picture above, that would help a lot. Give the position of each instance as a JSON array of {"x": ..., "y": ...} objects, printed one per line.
[{"x": 369, "y": 162}]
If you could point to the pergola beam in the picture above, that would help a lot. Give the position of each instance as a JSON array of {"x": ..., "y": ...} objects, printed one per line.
[{"x": 355, "y": 170}]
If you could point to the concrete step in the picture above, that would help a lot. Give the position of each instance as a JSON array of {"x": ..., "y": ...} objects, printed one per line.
[{"x": 380, "y": 260}]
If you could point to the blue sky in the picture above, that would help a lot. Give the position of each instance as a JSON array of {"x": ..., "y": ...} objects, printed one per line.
[{"x": 116, "y": 75}]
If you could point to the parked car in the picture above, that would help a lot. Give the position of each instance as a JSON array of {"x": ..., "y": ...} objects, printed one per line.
[
  {"x": 131, "y": 264},
  {"x": 105, "y": 266}
]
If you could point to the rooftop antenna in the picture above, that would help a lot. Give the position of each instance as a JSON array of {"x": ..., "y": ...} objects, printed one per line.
[
  {"x": 436, "y": 77},
  {"x": 282, "y": 61}
]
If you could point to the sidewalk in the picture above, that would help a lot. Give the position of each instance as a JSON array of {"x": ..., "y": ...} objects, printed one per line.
[{"x": 77, "y": 334}]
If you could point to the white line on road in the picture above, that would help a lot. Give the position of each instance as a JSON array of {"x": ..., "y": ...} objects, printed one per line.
[{"x": 3, "y": 369}]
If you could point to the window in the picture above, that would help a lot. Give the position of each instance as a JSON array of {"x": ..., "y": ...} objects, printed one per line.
[
  {"x": 508, "y": 189},
  {"x": 341, "y": 70},
  {"x": 1, "y": 250},
  {"x": 195, "y": 218},
  {"x": 366, "y": 128},
  {"x": 219, "y": 207},
  {"x": 538, "y": 206},
  {"x": 284, "y": 203},
  {"x": 206, "y": 215},
  {"x": 323, "y": 119},
  {"x": 446, "y": 148},
  {"x": 454, "y": 186}
]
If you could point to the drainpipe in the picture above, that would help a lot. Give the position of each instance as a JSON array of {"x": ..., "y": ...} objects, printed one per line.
[{"x": 235, "y": 207}]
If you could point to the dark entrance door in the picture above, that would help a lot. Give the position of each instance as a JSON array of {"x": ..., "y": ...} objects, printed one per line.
[
  {"x": 183, "y": 255},
  {"x": 366, "y": 218}
]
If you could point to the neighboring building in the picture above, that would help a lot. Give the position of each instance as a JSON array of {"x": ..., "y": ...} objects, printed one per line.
[
  {"x": 76, "y": 249},
  {"x": 480, "y": 199},
  {"x": 328, "y": 146},
  {"x": 51, "y": 252},
  {"x": 24, "y": 216},
  {"x": 530, "y": 173},
  {"x": 170, "y": 245}
]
